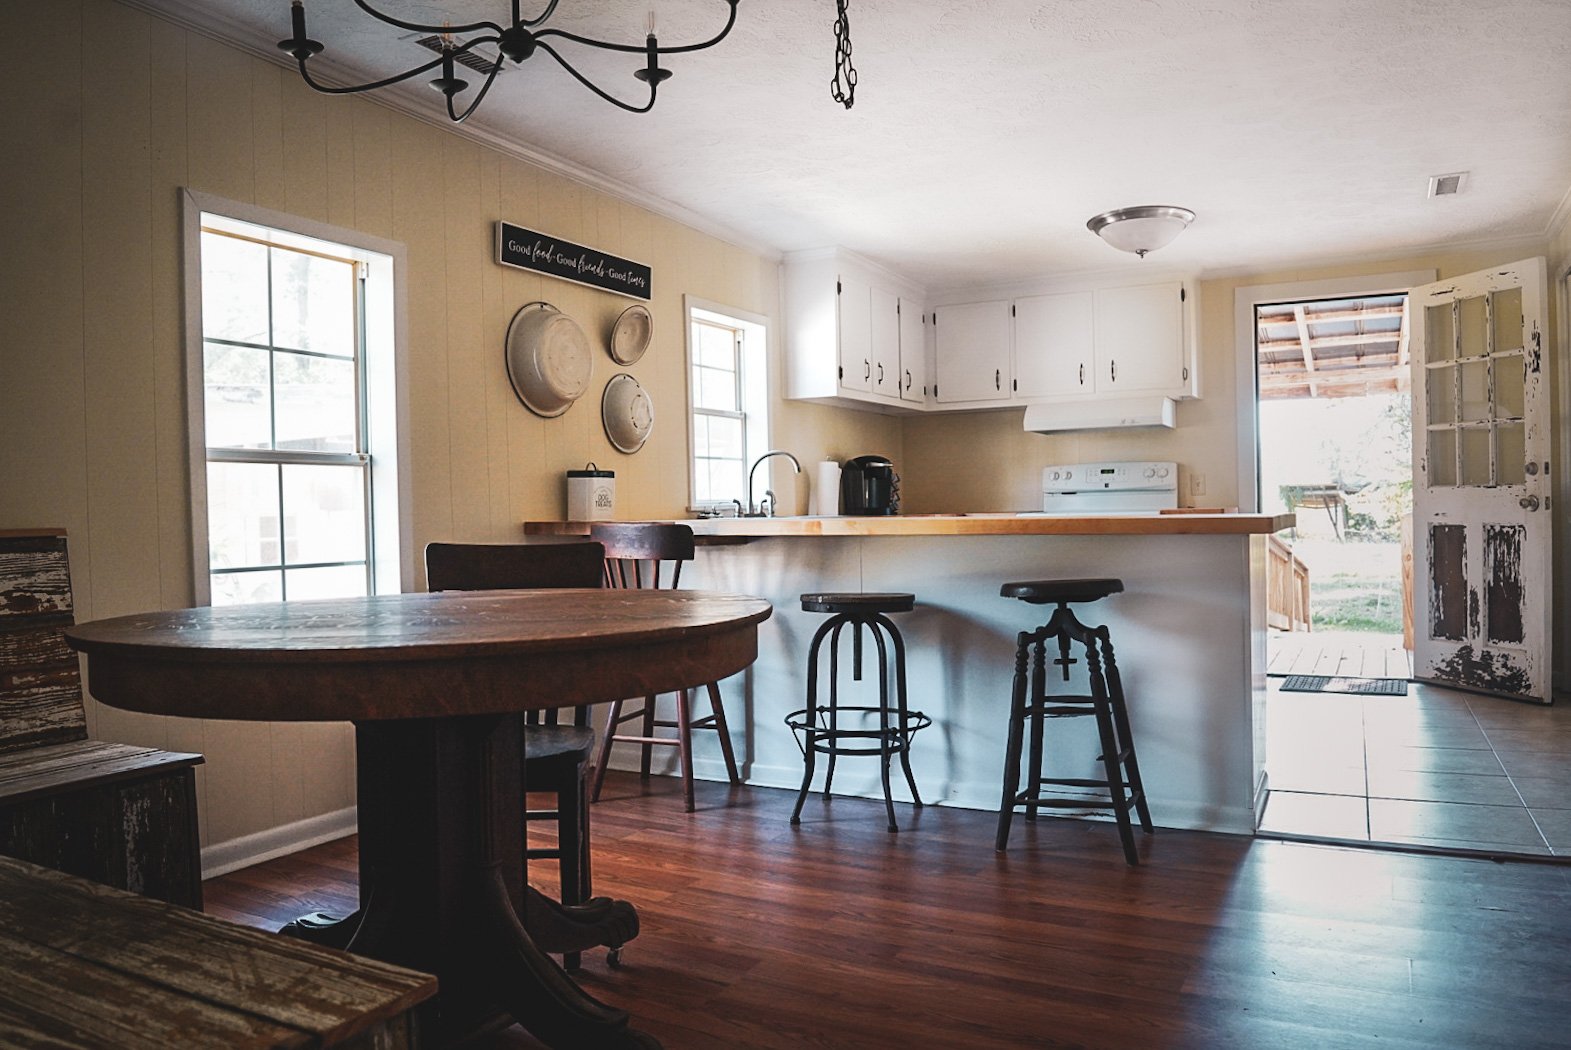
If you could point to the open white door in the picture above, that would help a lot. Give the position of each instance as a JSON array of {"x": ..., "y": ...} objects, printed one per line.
[{"x": 1481, "y": 483}]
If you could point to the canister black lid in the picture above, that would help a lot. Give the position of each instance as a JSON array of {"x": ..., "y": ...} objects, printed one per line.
[{"x": 591, "y": 471}]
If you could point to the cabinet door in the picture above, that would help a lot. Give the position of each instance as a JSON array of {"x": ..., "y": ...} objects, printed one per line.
[
  {"x": 1140, "y": 338},
  {"x": 886, "y": 343},
  {"x": 1054, "y": 345},
  {"x": 972, "y": 352},
  {"x": 856, "y": 333},
  {"x": 913, "y": 352}
]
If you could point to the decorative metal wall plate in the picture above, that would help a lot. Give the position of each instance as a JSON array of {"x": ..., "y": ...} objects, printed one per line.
[
  {"x": 548, "y": 359},
  {"x": 631, "y": 334},
  {"x": 627, "y": 413}
]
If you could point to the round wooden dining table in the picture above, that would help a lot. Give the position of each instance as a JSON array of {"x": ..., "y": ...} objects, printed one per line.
[{"x": 435, "y": 684}]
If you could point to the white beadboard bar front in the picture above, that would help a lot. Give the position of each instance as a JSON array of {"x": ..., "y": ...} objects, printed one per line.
[{"x": 1188, "y": 630}]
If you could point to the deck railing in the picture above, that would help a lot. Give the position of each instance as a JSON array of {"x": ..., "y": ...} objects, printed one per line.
[{"x": 1287, "y": 588}]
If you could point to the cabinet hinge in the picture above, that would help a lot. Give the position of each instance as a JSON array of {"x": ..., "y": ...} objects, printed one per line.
[
  {"x": 841, "y": 373},
  {"x": 935, "y": 389},
  {"x": 897, "y": 307},
  {"x": 935, "y": 325},
  {"x": 1181, "y": 293},
  {"x": 1011, "y": 309},
  {"x": 837, "y": 287},
  {"x": 1014, "y": 384}
]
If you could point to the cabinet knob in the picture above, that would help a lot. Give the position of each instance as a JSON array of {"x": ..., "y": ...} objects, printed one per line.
[
  {"x": 867, "y": 369},
  {"x": 880, "y": 373}
]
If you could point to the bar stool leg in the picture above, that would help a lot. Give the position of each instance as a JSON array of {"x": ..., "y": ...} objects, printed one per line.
[
  {"x": 606, "y": 740},
  {"x": 1038, "y": 725},
  {"x": 905, "y": 711},
  {"x": 1115, "y": 689},
  {"x": 886, "y": 743},
  {"x": 837, "y": 622},
  {"x": 1017, "y": 704},
  {"x": 1110, "y": 760},
  {"x": 810, "y": 733},
  {"x": 684, "y": 735}
]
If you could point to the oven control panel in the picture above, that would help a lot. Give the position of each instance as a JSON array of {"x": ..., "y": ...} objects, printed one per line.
[{"x": 1107, "y": 477}]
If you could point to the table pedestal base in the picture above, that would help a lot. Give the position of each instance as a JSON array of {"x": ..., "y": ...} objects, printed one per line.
[{"x": 442, "y": 885}]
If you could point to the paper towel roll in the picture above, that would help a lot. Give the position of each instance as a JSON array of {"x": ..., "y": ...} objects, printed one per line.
[{"x": 825, "y": 495}]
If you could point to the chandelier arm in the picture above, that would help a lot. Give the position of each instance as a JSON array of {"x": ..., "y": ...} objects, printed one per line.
[
  {"x": 489, "y": 80},
  {"x": 371, "y": 85},
  {"x": 417, "y": 27},
  {"x": 549, "y": 9},
  {"x": 645, "y": 108},
  {"x": 642, "y": 49}
]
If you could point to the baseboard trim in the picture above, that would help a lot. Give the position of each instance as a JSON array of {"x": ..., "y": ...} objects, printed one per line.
[{"x": 224, "y": 857}]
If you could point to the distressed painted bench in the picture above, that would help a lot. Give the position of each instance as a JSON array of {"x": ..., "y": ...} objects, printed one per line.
[{"x": 118, "y": 814}]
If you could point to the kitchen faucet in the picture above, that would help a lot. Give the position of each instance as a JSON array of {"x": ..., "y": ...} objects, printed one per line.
[{"x": 766, "y": 507}]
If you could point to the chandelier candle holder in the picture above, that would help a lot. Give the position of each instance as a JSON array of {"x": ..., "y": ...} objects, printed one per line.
[{"x": 516, "y": 42}]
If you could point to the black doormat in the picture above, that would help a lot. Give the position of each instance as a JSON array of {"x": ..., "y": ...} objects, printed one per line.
[{"x": 1320, "y": 683}]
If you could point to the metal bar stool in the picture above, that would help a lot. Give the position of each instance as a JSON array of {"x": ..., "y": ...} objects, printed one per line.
[
  {"x": 1105, "y": 703},
  {"x": 821, "y": 730}
]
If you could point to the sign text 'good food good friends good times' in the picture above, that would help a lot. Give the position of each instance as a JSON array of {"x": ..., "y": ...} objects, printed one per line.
[{"x": 554, "y": 257}]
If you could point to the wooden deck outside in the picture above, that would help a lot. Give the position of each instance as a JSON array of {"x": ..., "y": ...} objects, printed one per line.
[{"x": 1345, "y": 654}]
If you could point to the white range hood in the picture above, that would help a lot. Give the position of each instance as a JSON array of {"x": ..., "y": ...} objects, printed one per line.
[{"x": 1047, "y": 417}]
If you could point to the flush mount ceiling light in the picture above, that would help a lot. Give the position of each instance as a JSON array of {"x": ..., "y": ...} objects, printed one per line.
[
  {"x": 516, "y": 42},
  {"x": 1143, "y": 229}
]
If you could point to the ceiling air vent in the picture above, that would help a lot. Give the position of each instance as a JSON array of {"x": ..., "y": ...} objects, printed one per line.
[
  {"x": 481, "y": 65},
  {"x": 1446, "y": 185}
]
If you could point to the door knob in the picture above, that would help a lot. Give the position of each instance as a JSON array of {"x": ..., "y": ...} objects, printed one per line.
[{"x": 1528, "y": 502}]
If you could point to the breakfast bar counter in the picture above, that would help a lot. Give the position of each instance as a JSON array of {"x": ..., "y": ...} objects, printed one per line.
[{"x": 1191, "y": 626}]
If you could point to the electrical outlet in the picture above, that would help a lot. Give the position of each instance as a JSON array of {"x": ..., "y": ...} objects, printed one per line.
[{"x": 1197, "y": 484}]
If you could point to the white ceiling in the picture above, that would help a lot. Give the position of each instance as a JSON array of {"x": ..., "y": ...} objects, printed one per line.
[{"x": 985, "y": 132}]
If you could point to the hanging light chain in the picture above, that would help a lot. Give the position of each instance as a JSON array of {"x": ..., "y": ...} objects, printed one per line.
[{"x": 843, "y": 87}]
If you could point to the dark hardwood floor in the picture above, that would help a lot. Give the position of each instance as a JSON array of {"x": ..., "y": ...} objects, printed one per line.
[{"x": 838, "y": 934}]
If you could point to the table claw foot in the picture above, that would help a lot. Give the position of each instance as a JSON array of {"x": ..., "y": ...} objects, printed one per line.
[
  {"x": 530, "y": 986},
  {"x": 560, "y": 928},
  {"x": 319, "y": 927}
]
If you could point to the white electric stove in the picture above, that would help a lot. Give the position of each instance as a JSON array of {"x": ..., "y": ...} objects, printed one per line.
[{"x": 1109, "y": 488}]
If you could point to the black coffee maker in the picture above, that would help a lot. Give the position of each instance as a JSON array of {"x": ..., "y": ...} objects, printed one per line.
[{"x": 869, "y": 485}]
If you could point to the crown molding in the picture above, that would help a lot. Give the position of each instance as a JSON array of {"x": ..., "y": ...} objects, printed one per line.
[
  {"x": 1527, "y": 244},
  {"x": 198, "y": 17}
]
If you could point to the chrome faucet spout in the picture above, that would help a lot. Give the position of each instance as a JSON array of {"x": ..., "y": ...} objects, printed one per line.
[{"x": 760, "y": 511}]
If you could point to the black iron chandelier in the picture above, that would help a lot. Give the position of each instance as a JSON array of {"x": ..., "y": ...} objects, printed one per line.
[{"x": 515, "y": 42}]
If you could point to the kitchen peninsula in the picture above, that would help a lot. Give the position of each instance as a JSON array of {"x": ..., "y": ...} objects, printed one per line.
[{"x": 1189, "y": 627}]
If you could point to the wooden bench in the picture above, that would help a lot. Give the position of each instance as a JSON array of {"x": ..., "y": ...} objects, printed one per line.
[
  {"x": 84, "y": 965},
  {"x": 118, "y": 814}
]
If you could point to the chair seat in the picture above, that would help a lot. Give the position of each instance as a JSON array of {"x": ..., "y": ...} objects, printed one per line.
[
  {"x": 546, "y": 742},
  {"x": 1047, "y": 592},
  {"x": 855, "y": 604}
]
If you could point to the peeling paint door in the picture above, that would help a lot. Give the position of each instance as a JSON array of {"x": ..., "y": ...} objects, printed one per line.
[{"x": 1481, "y": 483}]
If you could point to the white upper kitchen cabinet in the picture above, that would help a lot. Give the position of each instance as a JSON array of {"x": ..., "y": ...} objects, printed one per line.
[
  {"x": 1112, "y": 342},
  {"x": 913, "y": 351},
  {"x": 972, "y": 352},
  {"x": 846, "y": 337}
]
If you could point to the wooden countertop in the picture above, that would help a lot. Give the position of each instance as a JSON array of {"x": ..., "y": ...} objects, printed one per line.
[{"x": 963, "y": 525}]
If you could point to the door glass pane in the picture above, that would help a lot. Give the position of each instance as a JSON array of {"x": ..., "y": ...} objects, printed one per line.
[
  {"x": 1448, "y": 582},
  {"x": 236, "y": 397},
  {"x": 1475, "y": 456},
  {"x": 234, "y": 289},
  {"x": 1510, "y": 376},
  {"x": 1441, "y": 394},
  {"x": 1475, "y": 391},
  {"x": 1503, "y": 582},
  {"x": 324, "y": 514},
  {"x": 1439, "y": 339},
  {"x": 1507, "y": 307},
  {"x": 1442, "y": 458},
  {"x": 237, "y": 588},
  {"x": 317, "y": 398},
  {"x": 242, "y": 514},
  {"x": 1511, "y": 454},
  {"x": 334, "y": 581},
  {"x": 1472, "y": 334},
  {"x": 313, "y": 303}
]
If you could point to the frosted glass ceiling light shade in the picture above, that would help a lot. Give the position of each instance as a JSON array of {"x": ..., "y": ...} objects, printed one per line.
[{"x": 1143, "y": 229}]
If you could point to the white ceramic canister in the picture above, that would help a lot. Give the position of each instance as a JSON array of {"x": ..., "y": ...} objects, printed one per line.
[{"x": 591, "y": 494}]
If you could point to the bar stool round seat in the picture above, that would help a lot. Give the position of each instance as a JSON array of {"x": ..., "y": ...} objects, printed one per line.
[
  {"x": 834, "y": 728},
  {"x": 1031, "y": 705},
  {"x": 1056, "y": 592},
  {"x": 858, "y": 604}
]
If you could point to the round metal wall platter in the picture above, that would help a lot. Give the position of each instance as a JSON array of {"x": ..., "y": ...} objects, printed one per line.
[
  {"x": 548, "y": 359},
  {"x": 631, "y": 334},
  {"x": 627, "y": 413}
]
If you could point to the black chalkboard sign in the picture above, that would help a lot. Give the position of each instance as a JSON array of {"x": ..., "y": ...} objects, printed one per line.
[{"x": 542, "y": 253}]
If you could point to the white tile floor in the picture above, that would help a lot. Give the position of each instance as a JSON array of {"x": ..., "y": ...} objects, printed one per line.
[{"x": 1437, "y": 767}]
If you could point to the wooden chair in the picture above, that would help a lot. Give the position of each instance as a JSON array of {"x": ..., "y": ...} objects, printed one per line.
[
  {"x": 556, "y": 757},
  {"x": 638, "y": 555},
  {"x": 117, "y": 814}
]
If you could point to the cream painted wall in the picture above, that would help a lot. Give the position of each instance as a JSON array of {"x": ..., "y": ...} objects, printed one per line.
[{"x": 119, "y": 110}]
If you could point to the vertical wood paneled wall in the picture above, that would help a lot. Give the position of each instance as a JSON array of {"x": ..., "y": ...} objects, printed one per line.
[{"x": 110, "y": 113}]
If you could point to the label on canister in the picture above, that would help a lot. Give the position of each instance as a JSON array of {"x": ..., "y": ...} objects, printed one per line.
[{"x": 591, "y": 494}]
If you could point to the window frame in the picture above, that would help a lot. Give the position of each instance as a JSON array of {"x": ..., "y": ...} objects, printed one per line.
[
  {"x": 381, "y": 326},
  {"x": 753, "y": 387}
]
